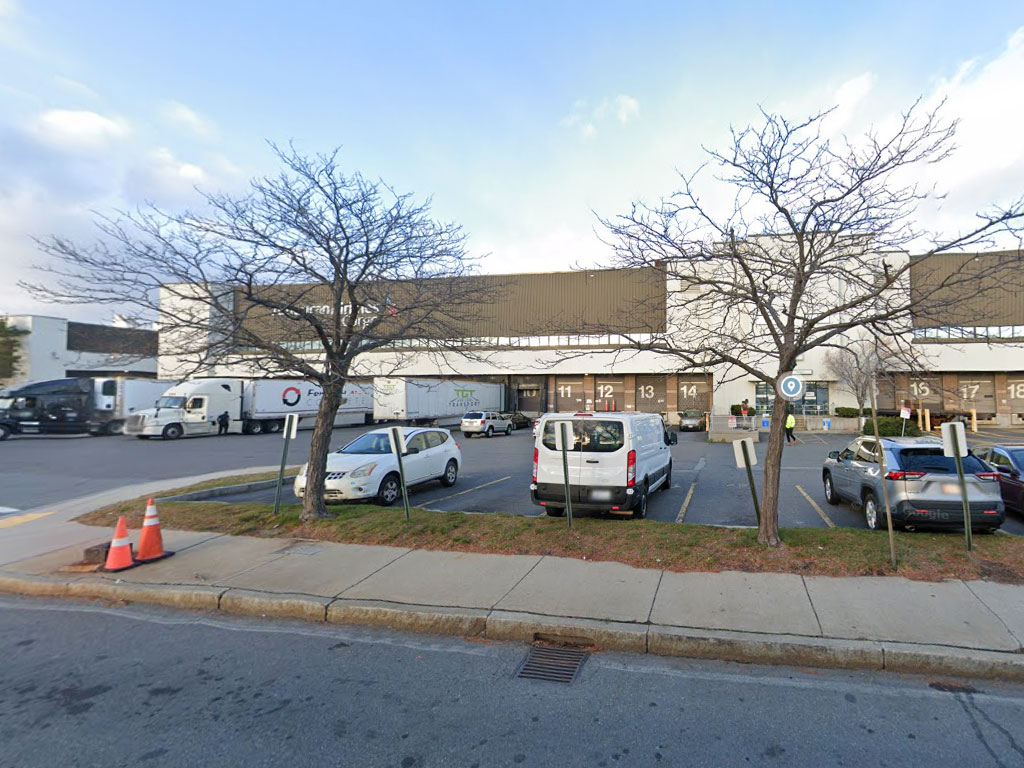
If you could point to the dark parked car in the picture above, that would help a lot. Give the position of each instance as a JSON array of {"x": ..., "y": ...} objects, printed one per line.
[
  {"x": 1008, "y": 460},
  {"x": 519, "y": 419}
]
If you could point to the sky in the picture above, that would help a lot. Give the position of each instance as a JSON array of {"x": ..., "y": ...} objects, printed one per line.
[{"x": 522, "y": 121}]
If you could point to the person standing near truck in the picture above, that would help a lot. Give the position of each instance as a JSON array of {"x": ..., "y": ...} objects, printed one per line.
[
  {"x": 790, "y": 425},
  {"x": 223, "y": 421}
]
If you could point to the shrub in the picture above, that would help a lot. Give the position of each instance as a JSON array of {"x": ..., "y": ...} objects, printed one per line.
[
  {"x": 736, "y": 410},
  {"x": 849, "y": 413},
  {"x": 891, "y": 426}
]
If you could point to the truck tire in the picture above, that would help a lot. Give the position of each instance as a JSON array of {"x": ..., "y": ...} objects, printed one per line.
[
  {"x": 253, "y": 427},
  {"x": 5, "y": 432},
  {"x": 272, "y": 427},
  {"x": 115, "y": 427},
  {"x": 172, "y": 432}
]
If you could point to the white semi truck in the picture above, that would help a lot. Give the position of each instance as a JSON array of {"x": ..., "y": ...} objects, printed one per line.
[
  {"x": 191, "y": 409},
  {"x": 433, "y": 401}
]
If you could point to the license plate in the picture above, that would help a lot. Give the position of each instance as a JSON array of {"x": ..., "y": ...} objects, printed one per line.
[
  {"x": 601, "y": 495},
  {"x": 951, "y": 488}
]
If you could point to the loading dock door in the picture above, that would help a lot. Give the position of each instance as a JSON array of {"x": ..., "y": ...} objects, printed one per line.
[
  {"x": 650, "y": 394},
  {"x": 569, "y": 394},
  {"x": 531, "y": 399},
  {"x": 926, "y": 390},
  {"x": 609, "y": 394},
  {"x": 694, "y": 392},
  {"x": 1015, "y": 396},
  {"x": 977, "y": 390}
]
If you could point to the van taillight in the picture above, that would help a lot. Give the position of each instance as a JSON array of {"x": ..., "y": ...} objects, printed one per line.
[
  {"x": 535, "y": 465},
  {"x": 631, "y": 469}
]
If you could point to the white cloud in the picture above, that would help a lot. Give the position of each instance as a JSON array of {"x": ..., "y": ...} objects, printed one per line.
[
  {"x": 162, "y": 178},
  {"x": 73, "y": 86},
  {"x": 848, "y": 98},
  {"x": 558, "y": 249},
  {"x": 76, "y": 130},
  {"x": 185, "y": 117},
  {"x": 621, "y": 108}
]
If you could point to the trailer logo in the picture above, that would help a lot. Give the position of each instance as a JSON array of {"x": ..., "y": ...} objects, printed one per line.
[
  {"x": 464, "y": 398},
  {"x": 291, "y": 396}
]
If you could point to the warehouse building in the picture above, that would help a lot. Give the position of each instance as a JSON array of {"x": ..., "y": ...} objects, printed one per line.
[{"x": 532, "y": 334}]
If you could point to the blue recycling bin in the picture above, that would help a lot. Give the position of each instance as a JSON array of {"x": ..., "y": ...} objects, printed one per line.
[
  {"x": 826, "y": 424},
  {"x": 765, "y": 421}
]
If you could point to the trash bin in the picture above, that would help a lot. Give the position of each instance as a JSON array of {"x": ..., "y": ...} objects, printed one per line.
[{"x": 826, "y": 424}]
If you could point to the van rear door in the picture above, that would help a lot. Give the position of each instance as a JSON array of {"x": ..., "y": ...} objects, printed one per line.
[
  {"x": 549, "y": 460},
  {"x": 603, "y": 449}
]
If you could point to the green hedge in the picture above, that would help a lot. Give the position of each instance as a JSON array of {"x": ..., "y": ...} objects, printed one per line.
[
  {"x": 845, "y": 412},
  {"x": 891, "y": 426}
]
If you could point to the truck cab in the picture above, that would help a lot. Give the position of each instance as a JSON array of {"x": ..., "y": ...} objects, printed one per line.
[{"x": 190, "y": 409}]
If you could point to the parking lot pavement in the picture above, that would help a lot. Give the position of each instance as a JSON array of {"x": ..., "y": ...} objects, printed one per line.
[{"x": 706, "y": 485}]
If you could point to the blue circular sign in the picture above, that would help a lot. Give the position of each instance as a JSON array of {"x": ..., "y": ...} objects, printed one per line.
[{"x": 791, "y": 387}]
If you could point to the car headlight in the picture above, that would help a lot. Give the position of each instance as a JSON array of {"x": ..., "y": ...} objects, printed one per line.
[{"x": 365, "y": 470}]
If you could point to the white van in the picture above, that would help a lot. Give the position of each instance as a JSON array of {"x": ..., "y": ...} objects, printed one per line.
[{"x": 615, "y": 462}]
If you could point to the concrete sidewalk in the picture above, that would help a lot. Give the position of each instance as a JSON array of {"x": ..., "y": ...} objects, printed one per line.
[{"x": 970, "y": 629}]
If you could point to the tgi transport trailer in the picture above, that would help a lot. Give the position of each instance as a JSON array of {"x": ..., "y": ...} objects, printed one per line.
[
  {"x": 98, "y": 406},
  {"x": 432, "y": 401},
  {"x": 253, "y": 406}
]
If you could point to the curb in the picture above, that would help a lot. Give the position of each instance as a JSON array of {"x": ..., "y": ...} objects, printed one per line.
[
  {"x": 744, "y": 647},
  {"x": 225, "y": 490}
]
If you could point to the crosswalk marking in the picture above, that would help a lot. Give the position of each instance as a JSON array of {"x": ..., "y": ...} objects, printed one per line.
[{"x": 28, "y": 517}]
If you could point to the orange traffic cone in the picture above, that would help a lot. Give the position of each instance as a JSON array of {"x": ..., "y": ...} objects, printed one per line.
[
  {"x": 119, "y": 556},
  {"x": 151, "y": 543}
]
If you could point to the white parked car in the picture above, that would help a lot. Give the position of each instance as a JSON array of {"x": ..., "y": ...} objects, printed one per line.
[
  {"x": 485, "y": 423},
  {"x": 615, "y": 461},
  {"x": 367, "y": 468}
]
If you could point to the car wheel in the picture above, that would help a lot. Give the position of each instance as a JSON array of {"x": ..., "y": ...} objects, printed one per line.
[
  {"x": 640, "y": 510},
  {"x": 5, "y": 431},
  {"x": 172, "y": 432},
  {"x": 871, "y": 512},
  {"x": 555, "y": 511},
  {"x": 668, "y": 478},
  {"x": 451, "y": 474},
  {"x": 830, "y": 491},
  {"x": 508, "y": 430},
  {"x": 389, "y": 491},
  {"x": 490, "y": 431}
]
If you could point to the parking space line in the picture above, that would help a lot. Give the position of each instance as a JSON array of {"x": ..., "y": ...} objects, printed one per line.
[
  {"x": 819, "y": 510},
  {"x": 10, "y": 522},
  {"x": 686, "y": 502},
  {"x": 469, "y": 490}
]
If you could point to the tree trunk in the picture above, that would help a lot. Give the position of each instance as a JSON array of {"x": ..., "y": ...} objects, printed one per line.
[
  {"x": 313, "y": 505},
  {"x": 768, "y": 532}
]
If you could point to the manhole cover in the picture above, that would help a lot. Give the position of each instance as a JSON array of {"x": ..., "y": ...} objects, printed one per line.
[{"x": 557, "y": 665}]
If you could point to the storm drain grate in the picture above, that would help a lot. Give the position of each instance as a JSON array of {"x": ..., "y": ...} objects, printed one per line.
[{"x": 557, "y": 665}]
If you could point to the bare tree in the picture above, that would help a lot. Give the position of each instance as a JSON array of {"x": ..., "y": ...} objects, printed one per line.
[
  {"x": 303, "y": 276},
  {"x": 811, "y": 251},
  {"x": 858, "y": 366}
]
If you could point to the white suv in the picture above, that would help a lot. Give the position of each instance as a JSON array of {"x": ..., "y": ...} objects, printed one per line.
[{"x": 485, "y": 423}]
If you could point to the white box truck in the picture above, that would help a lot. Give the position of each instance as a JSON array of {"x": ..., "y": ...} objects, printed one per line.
[
  {"x": 435, "y": 401},
  {"x": 253, "y": 406}
]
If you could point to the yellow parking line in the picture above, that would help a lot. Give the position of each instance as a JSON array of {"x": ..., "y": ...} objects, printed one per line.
[
  {"x": 470, "y": 490},
  {"x": 10, "y": 522},
  {"x": 817, "y": 509},
  {"x": 686, "y": 502}
]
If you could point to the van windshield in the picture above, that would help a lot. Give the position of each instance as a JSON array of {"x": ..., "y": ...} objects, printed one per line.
[
  {"x": 932, "y": 461},
  {"x": 589, "y": 435},
  {"x": 170, "y": 402}
]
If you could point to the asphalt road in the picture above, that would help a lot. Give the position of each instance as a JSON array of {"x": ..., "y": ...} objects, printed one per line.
[
  {"x": 707, "y": 487},
  {"x": 88, "y": 685}
]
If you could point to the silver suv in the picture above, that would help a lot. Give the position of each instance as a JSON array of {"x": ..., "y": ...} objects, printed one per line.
[
  {"x": 923, "y": 487},
  {"x": 485, "y": 423}
]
